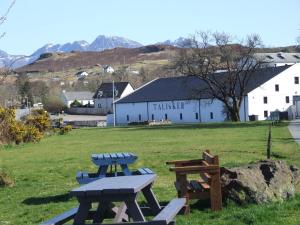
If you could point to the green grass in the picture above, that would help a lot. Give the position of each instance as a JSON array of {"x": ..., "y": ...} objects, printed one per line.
[{"x": 45, "y": 172}]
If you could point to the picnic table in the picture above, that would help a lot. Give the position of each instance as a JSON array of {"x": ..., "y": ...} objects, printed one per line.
[
  {"x": 108, "y": 164},
  {"x": 125, "y": 189}
]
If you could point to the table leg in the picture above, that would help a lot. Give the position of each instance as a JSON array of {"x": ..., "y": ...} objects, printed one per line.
[
  {"x": 134, "y": 210},
  {"x": 152, "y": 201},
  {"x": 121, "y": 213},
  {"x": 125, "y": 169},
  {"x": 83, "y": 212},
  {"x": 100, "y": 212},
  {"x": 102, "y": 170}
]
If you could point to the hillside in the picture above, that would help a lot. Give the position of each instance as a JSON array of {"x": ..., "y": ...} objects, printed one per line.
[{"x": 53, "y": 62}]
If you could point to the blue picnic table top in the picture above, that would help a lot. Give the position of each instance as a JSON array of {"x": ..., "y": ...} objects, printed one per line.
[{"x": 120, "y": 158}]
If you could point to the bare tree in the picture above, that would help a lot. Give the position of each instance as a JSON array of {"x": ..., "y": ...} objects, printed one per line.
[
  {"x": 5, "y": 72},
  {"x": 3, "y": 17},
  {"x": 212, "y": 52}
]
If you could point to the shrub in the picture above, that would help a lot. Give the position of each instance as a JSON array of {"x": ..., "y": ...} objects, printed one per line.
[
  {"x": 39, "y": 119},
  {"x": 5, "y": 180},
  {"x": 66, "y": 129},
  {"x": 32, "y": 134},
  {"x": 53, "y": 105},
  {"x": 75, "y": 104}
]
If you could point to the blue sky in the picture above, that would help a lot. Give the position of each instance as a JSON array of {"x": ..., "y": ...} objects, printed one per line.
[{"x": 33, "y": 23}]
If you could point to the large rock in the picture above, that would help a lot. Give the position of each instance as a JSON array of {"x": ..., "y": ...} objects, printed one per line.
[{"x": 261, "y": 182}]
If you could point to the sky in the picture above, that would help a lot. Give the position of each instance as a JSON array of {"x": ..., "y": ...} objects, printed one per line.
[{"x": 34, "y": 23}]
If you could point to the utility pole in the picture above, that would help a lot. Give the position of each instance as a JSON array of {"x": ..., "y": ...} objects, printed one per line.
[{"x": 114, "y": 107}]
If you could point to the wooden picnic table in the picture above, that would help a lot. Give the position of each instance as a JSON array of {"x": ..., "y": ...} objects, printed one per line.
[
  {"x": 113, "y": 159},
  {"x": 103, "y": 193},
  {"x": 115, "y": 189},
  {"x": 108, "y": 161}
]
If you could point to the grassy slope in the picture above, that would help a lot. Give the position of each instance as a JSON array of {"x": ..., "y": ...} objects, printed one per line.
[{"x": 45, "y": 172}]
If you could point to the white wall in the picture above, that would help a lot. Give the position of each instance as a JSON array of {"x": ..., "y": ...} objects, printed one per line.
[
  {"x": 276, "y": 100},
  {"x": 133, "y": 110},
  {"x": 105, "y": 104},
  {"x": 187, "y": 108},
  {"x": 129, "y": 89}
]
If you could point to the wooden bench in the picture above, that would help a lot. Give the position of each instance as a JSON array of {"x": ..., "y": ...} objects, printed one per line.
[
  {"x": 207, "y": 186},
  {"x": 62, "y": 218}
]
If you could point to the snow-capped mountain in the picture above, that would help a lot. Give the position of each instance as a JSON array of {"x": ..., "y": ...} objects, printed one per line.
[
  {"x": 180, "y": 42},
  {"x": 103, "y": 42},
  {"x": 99, "y": 44}
]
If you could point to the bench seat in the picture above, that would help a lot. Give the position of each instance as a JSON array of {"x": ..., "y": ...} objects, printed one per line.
[{"x": 62, "y": 218}]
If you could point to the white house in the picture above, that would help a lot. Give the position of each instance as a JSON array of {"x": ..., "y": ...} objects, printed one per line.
[
  {"x": 108, "y": 69},
  {"x": 181, "y": 100},
  {"x": 278, "y": 58},
  {"x": 103, "y": 97},
  {"x": 84, "y": 97},
  {"x": 81, "y": 75}
]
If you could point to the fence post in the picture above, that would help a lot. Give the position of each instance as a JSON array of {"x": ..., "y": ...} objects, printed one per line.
[{"x": 269, "y": 142}]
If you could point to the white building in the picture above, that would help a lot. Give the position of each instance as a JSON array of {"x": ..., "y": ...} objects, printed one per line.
[
  {"x": 81, "y": 75},
  {"x": 278, "y": 58},
  {"x": 181, "y": 100},
  {"x": 108, "y": 69},
  {"x": 103, "y": 98},
  {"x": 84, "y": 97}
]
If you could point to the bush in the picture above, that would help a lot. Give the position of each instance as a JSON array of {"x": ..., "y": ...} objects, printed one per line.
[
  {"x": 66, "y": 129},
  {"x": 39, "y": 119},
  {"x": 5, "y": 180},
  {"x": 32, "y": 134},
  {"x": 76, "y": 104},
  {"x": 53, "y": 105},
  {"x": 31, "y": 130}
]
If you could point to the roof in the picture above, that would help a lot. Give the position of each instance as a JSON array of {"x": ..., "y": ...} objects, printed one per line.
[
  {"x": 279, "y": 57},
  {"x": 106, "y": 89},
  {"x": 190, "y": 87},
  {"x": 78, "y": 95}
]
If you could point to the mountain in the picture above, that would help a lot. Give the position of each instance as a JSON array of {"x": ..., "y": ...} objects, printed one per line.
[
  {"x": 180, "y": 42},
  {"x": 101, "y": 43}
]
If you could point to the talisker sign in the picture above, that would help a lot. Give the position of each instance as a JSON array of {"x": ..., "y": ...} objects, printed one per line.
[{"x": 168, "y": 106}]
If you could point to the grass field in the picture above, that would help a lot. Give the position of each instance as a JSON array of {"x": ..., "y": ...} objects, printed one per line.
[{"x": 45, "y": 172}]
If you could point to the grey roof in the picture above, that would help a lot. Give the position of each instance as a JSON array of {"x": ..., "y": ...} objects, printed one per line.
[
  {"x": 278, "y": 57},
  {"x": 106, "y": 89},
  {"x": 191, "y": 87},
  {"x": 78, "y": 95}
]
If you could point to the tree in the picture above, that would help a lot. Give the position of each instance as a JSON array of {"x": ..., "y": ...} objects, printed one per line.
[
  {"x": 210, "y": 52},
  {"x": 5, "y": 72}
]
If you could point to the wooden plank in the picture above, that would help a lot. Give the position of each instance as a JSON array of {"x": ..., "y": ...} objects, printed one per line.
[
  {"x": 208, "y": 157},
  {"x": 171, "y": 210},
  {"x": 62, "y": 218},
  {"x": 149, "y": 171},
  {"x": 196, "y": 169},
  {"x": 191, "y": 161},
  {"x": 206, "y": 177},
  {"x": 121, "y": 184}
]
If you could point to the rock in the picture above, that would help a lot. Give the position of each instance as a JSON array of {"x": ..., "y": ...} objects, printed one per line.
[{"x": 265, "y": 181}]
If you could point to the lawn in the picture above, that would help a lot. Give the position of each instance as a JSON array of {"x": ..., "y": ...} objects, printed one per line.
[{"x": 45, "y": 172}]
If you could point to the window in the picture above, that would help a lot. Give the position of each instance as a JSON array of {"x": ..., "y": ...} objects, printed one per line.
[
  {"x": 166, "y": 116},
  {"x": 99, "y": 106},
  {"x": 197, "y": 116},
  {"x": 127, "y": 117},
  {"x": 296, "y": 80},
  {"x": 297, "y": 56},
  {"x": 211, "y": 115},
  {"x": 276, "y": 87},
  {"x": 265, "y": 100},
  {"x": 269, "y": 57},
  {"x": 152, "y": 117},
  {"x": 180, "y": 115},
  {"x": 140, "y": 117},
  {"x": 266, "y": 113},
  {"x": 287, "y": 99}
]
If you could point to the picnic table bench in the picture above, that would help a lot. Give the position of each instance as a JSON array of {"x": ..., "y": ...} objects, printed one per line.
[
  {"x": 123, "y": 189},
  {"x": 207, "y": 186},
  {"x": 111, "y": 161}
]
